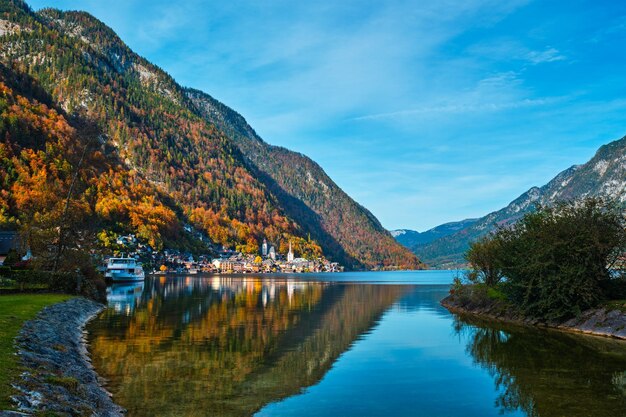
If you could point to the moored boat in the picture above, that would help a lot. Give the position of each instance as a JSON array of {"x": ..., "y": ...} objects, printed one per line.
[{"x": 124, "y": 270}]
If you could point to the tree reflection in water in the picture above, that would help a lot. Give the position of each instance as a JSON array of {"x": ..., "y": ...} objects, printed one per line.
[
  {"x": 547, "y": 373},
  {"x": 226, "y": 346}
]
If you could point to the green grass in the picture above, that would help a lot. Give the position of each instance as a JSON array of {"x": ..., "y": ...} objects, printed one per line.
[
  {"x": 616, "y": 305},
  {"x": 14, "y": 311},
  {"x": 496, "y": 293},
  {"x": 65, "y": 381}
]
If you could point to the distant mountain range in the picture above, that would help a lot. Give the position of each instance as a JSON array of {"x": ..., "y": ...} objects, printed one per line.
[
  {"x": 164, "y": 156},
  {"x": 602, "y": 176},
  {"x": 412, "y": 239}
]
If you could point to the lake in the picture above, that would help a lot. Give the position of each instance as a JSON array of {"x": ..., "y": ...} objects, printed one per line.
[{"x": 349, "y": 344}]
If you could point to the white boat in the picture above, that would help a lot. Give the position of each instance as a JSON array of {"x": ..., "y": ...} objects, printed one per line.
[
  {"x": 124, "y": 270},
  {"x": 193, "y": 271}
]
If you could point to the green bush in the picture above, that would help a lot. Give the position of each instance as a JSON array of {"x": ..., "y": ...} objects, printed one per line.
[
  {"x": 557, "y": 261},
  {"x": 85, "y": 281},
  {"x": 6, "y": 282},
  {"x": 25, "y": 278}
]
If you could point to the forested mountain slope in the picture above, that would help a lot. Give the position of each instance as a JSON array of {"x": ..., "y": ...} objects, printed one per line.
[
  {"x": 150, "y": 130},
  {"x": 308, "y": 194},
  {"x": 43, "y": 152},
  {"x": 603, "y": 176}
]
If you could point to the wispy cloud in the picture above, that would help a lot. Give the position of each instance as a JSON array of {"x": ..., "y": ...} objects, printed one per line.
[
  {"x": 506, "y": 50},
  {"x": 547, "y": 55},
  {"x": 461, "y": 108}
]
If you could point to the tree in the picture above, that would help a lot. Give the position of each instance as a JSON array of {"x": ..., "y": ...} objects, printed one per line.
[
  {"x": 558, "y": 261},
  {"x": 484, "y": 261}
]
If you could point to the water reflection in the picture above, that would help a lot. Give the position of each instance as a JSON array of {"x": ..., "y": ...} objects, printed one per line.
[
  {"x": 547, "y": 373},
  {"x": 225, "y": 346},
  {"x": 124, "y": 297},
  {"x": 291, "y": 346}
]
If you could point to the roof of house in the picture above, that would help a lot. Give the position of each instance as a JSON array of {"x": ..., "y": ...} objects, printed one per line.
[{"x": 8, "y": 241}]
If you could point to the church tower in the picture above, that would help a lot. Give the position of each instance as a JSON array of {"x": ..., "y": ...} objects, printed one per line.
[
  {"x": 290, "y": 253},
  {"x": 264, "y": 248}
]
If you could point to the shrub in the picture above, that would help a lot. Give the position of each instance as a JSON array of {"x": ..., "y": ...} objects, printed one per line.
[
  {"x": 85, "y": 281},
  {"x": 557, "y": 261}
]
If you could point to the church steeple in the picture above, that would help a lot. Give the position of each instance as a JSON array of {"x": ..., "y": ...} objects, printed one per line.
[{"x": 290, "y": 253}]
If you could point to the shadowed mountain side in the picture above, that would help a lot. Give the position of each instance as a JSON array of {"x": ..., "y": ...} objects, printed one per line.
[
  {"x": 232, "y": 345},
  {"x": 309, "y": 221}
]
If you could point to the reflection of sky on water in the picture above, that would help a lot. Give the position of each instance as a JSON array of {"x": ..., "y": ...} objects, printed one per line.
[
  {"x": 418, "y": 360},
  {"x": 431, "y": 277},
  {"x": 409, "y": 364}
]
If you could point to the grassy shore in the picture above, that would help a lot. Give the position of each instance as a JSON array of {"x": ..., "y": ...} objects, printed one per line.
[{"x": 14, "y": 311}]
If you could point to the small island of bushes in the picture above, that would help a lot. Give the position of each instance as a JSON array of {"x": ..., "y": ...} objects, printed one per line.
[{"x": 559, "y": 266}]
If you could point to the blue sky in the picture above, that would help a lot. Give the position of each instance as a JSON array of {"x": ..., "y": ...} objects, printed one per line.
[{"x": 423, "y": 111}]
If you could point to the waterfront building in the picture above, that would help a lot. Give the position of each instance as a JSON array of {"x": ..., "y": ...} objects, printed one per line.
[{"x": 8, "y": 242}]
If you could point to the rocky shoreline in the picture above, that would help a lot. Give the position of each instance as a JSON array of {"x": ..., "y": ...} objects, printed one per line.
[
  {"x": 598, "y": 322},
  {"x": 58, "y": 374}
]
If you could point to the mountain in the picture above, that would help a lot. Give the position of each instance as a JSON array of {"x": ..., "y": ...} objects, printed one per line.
[
  {"x": 603, "y": 176},
  {"x": 411, "y": 238},
  {"x": 177, "y": 148},
  {"x": 307, "y": 193}
]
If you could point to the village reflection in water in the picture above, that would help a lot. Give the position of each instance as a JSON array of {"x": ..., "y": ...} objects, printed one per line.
[
  {"x": 123, "y": 298},
  {"x": 228, "y": 344}
]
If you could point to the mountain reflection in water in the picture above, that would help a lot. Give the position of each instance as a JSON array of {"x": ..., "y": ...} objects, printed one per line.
[
  {"x": 289, "y": 347},
  {"x": 226, "y": 346}
]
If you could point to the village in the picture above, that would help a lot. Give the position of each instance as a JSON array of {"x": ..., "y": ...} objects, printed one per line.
[{"x": 224, "y": 260}]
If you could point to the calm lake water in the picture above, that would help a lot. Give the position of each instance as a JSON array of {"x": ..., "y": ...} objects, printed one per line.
[{"x": 351, "y": 344}]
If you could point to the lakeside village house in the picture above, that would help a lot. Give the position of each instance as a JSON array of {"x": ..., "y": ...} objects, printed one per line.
[
  {"x": 9, "y": 241},
  {"x": 227, "y": 261}
]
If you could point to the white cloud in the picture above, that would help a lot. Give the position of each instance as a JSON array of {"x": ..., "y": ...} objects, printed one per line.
[
  {"x": 461, "y": 108},
  {"x": 547, "y": 55},
  {"x": 506, "y": 49}
]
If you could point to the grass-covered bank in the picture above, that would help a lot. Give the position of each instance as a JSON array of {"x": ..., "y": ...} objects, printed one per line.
[{"x": 14, "y": 311}]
